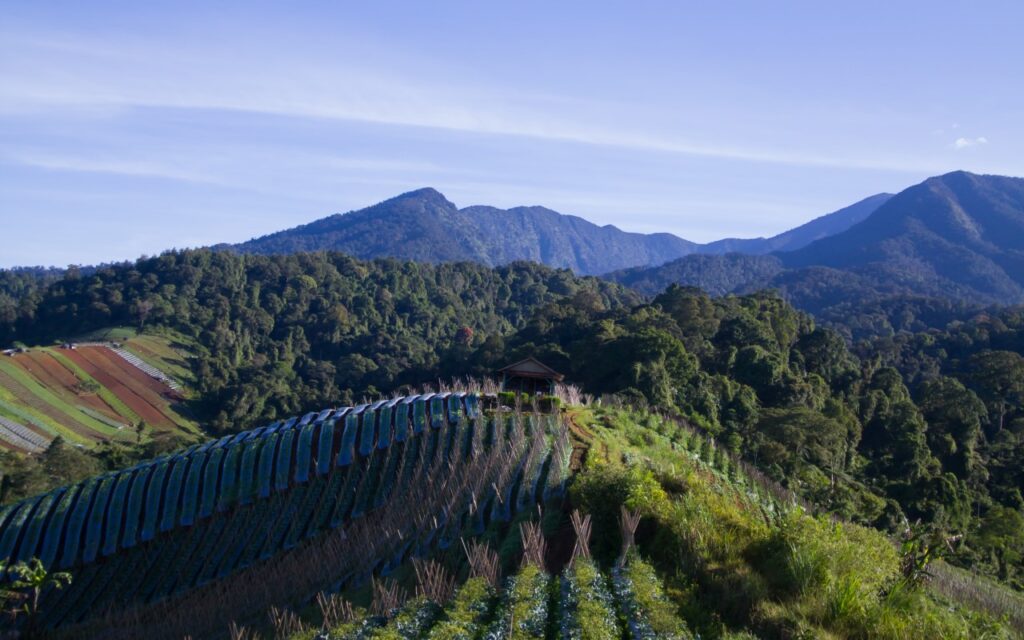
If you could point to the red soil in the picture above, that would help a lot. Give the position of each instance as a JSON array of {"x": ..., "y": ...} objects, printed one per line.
[
  {"x": 50, "y": 373},
  {"x": 130, "y": 385}
]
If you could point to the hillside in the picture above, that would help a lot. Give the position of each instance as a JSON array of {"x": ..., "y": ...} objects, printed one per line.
[
  {"x": 96, "y": 392},
  {"x": 646, "y": 529},
  {"x": 957, "y": 237},
  {"x": 718, "y": 275},
  {"x": 424, "y": 226},
  {"x": 960, "y": 234},
  {"x": 862, "y": 433}
]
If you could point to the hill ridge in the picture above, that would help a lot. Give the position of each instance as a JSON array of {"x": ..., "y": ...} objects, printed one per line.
[{"x": 426, "y": 226}]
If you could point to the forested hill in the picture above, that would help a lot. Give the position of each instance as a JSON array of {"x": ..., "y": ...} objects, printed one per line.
[
  {"x": 957, "y": 238},
  {"x": 960, "y": 234},
  {"x": 282, "y": 333},
  {"x": 424, "y": 226}
]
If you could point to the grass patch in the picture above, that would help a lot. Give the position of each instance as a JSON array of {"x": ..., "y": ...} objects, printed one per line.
[
  {"x": 740, "y": 561},
  {"x": 107, "y": 334}
]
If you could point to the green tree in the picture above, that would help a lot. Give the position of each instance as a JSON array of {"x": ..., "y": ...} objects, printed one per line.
[{"x": 33, "y": 579}]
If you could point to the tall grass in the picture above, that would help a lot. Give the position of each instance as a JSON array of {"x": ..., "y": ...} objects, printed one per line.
[
  {"x": 979, "y": 593},
  {"x": 744, "y": 554}
]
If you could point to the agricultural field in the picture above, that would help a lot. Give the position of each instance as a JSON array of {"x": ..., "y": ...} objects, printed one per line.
[{"x": 95, "y": 392}]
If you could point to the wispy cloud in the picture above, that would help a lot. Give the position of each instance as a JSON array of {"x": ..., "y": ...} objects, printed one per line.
[
  {"x": 963, "y": 143},
  {"x": 133, "y": 167},
  {"x": 77, "y": 74}
]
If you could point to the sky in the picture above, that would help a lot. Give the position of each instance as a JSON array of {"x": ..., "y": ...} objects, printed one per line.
[{"x": 129, "y": 128}]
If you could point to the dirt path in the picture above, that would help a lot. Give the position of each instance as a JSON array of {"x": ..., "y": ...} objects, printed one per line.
[{"x": 582, "y": 441}]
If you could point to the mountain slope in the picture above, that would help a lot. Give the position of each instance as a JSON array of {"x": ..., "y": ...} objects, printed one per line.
[
  {"x": 799, "y": 237},
  {"x": 959, "y": 234},
  {"x": 424, "y": 226},
  {"x": 958, "y": 237}
]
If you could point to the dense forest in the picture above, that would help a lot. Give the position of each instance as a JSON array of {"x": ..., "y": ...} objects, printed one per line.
[
  {"x": 926, "y": 426},
  {"x": 917, "y": 425},
  {"x": 280, "y": 334}
]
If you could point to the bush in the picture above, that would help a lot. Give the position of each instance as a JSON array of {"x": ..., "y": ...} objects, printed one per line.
[
  {"x": 549, "y": 404},
  {"x": 601, "y": 491}
]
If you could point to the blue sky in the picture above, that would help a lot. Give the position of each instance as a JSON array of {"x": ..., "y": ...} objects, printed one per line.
[{"x": 127, "y": 128}]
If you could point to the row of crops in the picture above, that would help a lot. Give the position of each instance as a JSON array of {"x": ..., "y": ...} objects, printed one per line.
[
  {"x": 308, "y": 502},
  {"x": 20, "y": 436},
  {"x": 583, "y": 603}
]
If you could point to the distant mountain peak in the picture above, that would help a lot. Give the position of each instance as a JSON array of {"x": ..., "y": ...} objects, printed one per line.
[
  {"x": 958, "y": 236},
  {"x": 424, "y": 225},
  {"x": 424, "y": 194},
  {"x": 959, "y": 211}
]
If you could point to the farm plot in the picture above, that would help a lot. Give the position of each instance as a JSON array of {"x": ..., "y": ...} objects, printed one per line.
[
  {"x": 18, "y": 436},
  {"x": 64, "y": 418},
  {"x": 50, "y": 373},
  {"x": 145, "y": 396},
  {"x": 165, "y": 354}
]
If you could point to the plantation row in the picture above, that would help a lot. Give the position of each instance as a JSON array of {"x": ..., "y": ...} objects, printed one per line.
[
  {"x": 175, "y": 490},
  {"x": 583, "y": 603},
  {"x": 147, "y": 368},
  {"x": 182, "y": 521},
  {"x": 21, "y": 436}
]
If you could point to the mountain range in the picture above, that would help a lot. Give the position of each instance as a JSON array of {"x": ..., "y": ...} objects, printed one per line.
[
  {"x": 425, "y": 226},
  {"x": 958, "y": 236}
]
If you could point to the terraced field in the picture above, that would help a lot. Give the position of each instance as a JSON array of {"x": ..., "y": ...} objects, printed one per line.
[{"x": 92, "y": 394}]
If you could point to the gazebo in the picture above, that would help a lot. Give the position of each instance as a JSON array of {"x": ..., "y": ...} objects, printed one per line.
[{"x": 529, "y": 375}]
